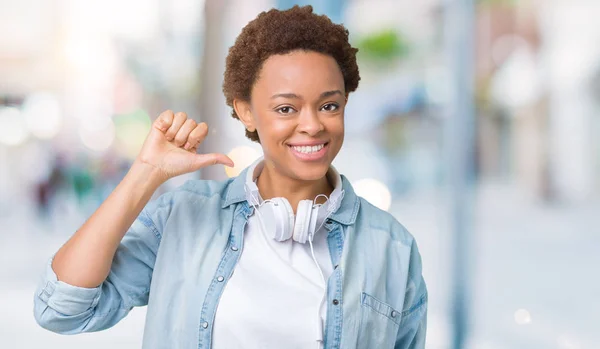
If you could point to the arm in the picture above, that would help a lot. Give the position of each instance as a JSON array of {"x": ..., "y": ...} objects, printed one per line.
[
  {"x": 95, "y": 279},
  {"x": 105, "y": 269},
  {"x": 85, "y": 259},
  {"x": 413, "y": 326}
]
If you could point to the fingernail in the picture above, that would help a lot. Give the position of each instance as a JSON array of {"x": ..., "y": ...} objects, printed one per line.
[{"x": 187, "y": 146}]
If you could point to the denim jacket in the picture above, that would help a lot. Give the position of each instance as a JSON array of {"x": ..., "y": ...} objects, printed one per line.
[{"x": 183, "y": 247}]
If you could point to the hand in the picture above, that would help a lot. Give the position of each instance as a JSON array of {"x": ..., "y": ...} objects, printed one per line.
[{"x": 170, "y": 148}]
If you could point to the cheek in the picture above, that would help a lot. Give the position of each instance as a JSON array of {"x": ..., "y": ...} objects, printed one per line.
[
  {"x": 275, "y": 130},
  {"x": 336, "y": 130},
  {"x": 336, "y": 125},
  {"x": 281, "y": 127}
]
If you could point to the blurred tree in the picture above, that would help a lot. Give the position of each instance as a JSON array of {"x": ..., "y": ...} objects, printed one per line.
[{"x": 383, "y": 46}]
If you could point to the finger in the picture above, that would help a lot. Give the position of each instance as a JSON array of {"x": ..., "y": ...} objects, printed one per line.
[
  {"x": 182, "y": 135},
  {"x": 203, "y": 160},
  {"x": 164, "y": 120},
  {"x": 178, "y": 121},
  {"x": 197, "y": 135}
]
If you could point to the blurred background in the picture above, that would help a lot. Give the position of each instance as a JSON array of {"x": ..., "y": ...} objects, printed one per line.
[{"x": 476, "y": 124}]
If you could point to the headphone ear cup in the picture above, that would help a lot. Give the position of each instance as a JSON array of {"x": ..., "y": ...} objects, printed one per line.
[
  {"x": 302, "y": 223},
  {"x": 284, "y": 219}
]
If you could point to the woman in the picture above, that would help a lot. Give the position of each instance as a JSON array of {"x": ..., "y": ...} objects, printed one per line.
[{"x": 283, "y": 256}]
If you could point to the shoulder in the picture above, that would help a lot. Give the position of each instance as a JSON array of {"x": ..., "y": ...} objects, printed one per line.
[
  {"x": 195, "y": 194},
  {"x": 377, "y": 219},
  {"x": 187, "y": 205},
  {"x": 201, "y": 188}
]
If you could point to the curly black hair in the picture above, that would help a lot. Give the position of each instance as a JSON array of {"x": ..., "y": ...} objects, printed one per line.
[{"x": 279, "y": 32}]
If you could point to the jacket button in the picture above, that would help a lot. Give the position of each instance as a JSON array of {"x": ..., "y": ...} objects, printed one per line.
[
  {"x": 393, "y": 314},
  {"x": 329, "y": 221},
  {"x": 233, "y": 248},
  {"x": 220, "y": 279},
  {"x": 205, "y": 325},
  {"x": 336, "y": 302}
]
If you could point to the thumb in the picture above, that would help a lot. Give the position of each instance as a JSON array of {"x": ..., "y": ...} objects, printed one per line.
[{"x": 204, "y": 160}]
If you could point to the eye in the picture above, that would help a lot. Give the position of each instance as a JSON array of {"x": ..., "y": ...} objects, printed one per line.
[
  {"x": 330, "y": 107},
  {"x": 285, "y": 110}
]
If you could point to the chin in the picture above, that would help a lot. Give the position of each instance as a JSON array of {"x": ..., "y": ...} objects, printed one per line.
[{"x": 310, "y": 172}]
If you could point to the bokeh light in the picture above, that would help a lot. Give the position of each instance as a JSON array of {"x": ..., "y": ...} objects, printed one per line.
[
  {"x": 98, "y": 138},
  {"x": 13, "y": 131},
  {"x": 131, "y": 132},
  {"x": 522, "y": 317},
  {"x": 242, "y": 157},
  {"x": 374, "y": 192},
  {"x": 43, "y": 115}
]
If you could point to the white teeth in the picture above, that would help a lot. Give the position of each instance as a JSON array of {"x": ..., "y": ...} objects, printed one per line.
[{"x": 308, "y": 149}]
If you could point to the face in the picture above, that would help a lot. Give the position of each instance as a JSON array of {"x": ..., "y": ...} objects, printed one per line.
[{"x": 297, "y": 108}]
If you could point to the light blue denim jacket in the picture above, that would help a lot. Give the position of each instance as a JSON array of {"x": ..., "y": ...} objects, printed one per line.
[{"x": 182, "y": 249}]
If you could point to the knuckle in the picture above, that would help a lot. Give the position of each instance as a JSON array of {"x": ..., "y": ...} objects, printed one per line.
[
  {"x": 166, "y": 115},
  {"x": 180, "y": 140},
  {"x": 195, "y": 139},
  {"x": 192, "y": 142},
  {"x": 203, "y": 127},
  {"x": 164, "y": 119}
]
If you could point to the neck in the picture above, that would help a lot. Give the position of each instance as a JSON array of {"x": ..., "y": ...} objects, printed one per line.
[{"x": 271, "y": 183}]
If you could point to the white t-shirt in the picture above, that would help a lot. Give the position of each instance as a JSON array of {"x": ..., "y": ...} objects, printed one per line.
[{"x": 273, "y": 298}]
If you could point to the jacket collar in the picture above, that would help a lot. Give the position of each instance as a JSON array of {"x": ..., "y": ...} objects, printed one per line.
[{"x": 345, "y": 214}]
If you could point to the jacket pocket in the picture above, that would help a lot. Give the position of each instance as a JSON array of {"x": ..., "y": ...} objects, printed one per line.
[{"x": 379, "y": 323}]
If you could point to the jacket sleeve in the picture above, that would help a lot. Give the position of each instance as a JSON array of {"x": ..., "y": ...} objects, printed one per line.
[
  {"x": 413, "y": 326},
  {"x": 67, "y": 309}
]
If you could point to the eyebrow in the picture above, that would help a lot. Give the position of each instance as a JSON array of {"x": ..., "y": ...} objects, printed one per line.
[
  {"x": 331, "y": 93},
  {"x": 295, "y": 96}
]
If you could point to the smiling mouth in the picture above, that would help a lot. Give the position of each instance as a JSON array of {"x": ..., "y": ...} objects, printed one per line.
[{"x": 307, "y": 149}]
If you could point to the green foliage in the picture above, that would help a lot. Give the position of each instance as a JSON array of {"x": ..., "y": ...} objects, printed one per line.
[{"x": 383, "y": 46}]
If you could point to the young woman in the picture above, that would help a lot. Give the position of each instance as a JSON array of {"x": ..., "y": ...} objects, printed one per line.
[{"x": 283, "y": 256}]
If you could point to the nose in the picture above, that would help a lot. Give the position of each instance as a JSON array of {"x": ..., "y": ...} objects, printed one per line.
[{"x": 309, "y": 123}]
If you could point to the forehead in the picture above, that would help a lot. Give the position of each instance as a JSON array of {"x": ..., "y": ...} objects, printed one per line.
[{"x": 306, "y": 73}]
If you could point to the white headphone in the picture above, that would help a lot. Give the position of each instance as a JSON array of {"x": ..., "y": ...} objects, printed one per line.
[{"x": 310, "y": 216}]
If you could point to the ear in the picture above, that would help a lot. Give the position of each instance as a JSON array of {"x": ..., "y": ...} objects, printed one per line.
[{"x": 244, "y": 112}]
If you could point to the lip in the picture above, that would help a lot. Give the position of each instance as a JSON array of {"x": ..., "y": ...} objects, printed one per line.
[{"x": 316, "y": 156}]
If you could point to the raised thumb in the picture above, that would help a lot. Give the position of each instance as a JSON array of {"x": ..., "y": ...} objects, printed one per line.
[{"x": 204, "y": 160}]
